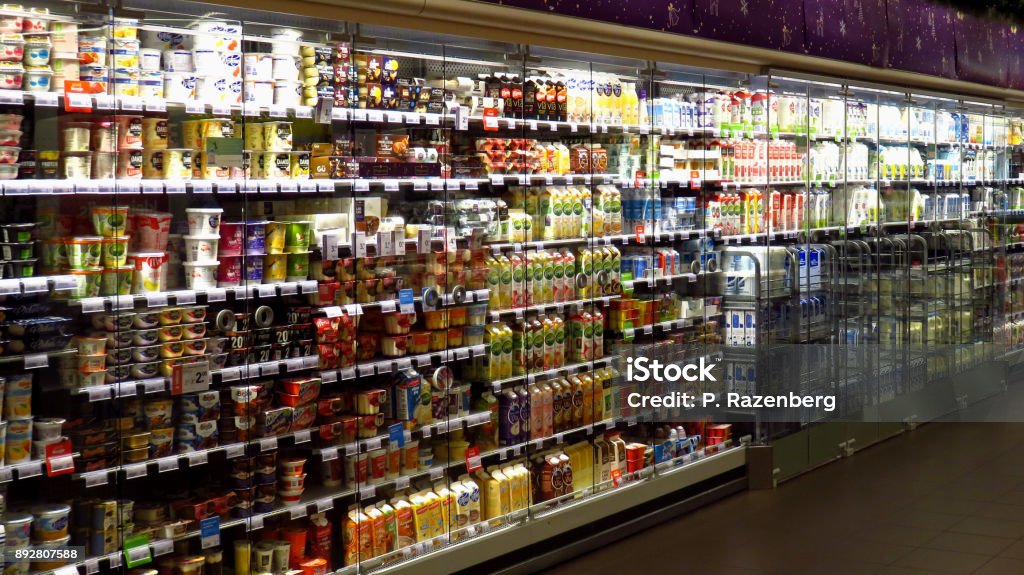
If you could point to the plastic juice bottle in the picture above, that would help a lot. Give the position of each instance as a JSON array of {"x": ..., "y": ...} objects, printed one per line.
[
  {"x": 493, "y": 359},
  {"x": 548, "y": 409},
  {"x": 494, "y": 282},
  {"x": 600, "y": 101},
  {"x": 558, "y": 277},
  {"x": 559, "y": 329},
  {"x": 577, "y": 400},
  {"x": 557, "y": 401},
  {"x": 585, "y": 267},
  {"x": 520, "y": 348},
  {"x": 537, "y": 338},
  {"x": 537, "y": 277},
  {"x": 525, "y": 409},
  {"x": 505, "y": 287},
  {"x": 576, "y": 227},
  {"x": 587, "y": 382},
  {"x": 518, "y": 280},
  {"x": 569, "y": 275},
  {"x": 549, "y": 342},
  {"x": 597, "y": 215},
  {"x": 614, "y": 269},
  {"x": 549, "y": 278},
  {"x": 598, "y": 322},
  {"x": 603, "y": 270},
  {"x": 630, "y": 104},
  {"x": 586, "y": 212},
  {"x": 548, "y": 219},
  {"x": 506, "y": 355},
  {"x": 582, "y": 331},
  {"x": 615, "y": 210}
]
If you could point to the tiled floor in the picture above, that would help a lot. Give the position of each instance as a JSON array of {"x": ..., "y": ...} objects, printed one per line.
[{"x": 945, "y": 499}]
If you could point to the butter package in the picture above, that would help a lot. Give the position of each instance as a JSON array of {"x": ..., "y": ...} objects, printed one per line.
[
  {"x": 201, "y": 406},
  {"x": 196, "y": 436},
  {"x": 275, "y": 421}
]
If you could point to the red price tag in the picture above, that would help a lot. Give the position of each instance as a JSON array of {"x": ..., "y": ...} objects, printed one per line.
[
  {"x": 616, "y": 477},
  {"x": 473, "y": 461},
  {"x": 490, "y": 119},
  {"x": 59, "y": 460},
  {"x": 640, "y": 234},
  {"x": 74, "y": 90}
]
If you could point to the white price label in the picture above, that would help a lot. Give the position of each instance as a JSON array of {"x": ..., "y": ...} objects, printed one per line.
[
  {"x": 68, "y": 570},
  {"x": 162, "y": 547},
  {"x": 297, "y": 511},
  {"x": 268, "y": 444},
  {"x": 234, "y": 450},
  {"x": 36, "y": 360},
  {"x": 308, "y": 287},
  {"x": 533, "y": 125},
  {"x": 79, "y": 100},
  {"x": 184, "y": 297},
  {"x": 419, "y": 185},
  {"x": 197, "y": 458},
  {"x": 307, "y": 186},
  {"x": 253, "y": 523},
  {"x": 92, "y": 566},
  {"x": 156, "y": 299},
  {"x": 167, "y": 464},
  {"x": 372, "y": 443},
  {"x": 432, "y": 119},
  {"x": 328, "y": 376},
  {"x": 367, "y": 491},
  {"x": 303, "y": 111},
  {"x": 347, "y": 373},
  {"x": 216, "y": 294},
  {"x": 401, "y": 482},
  {"x": 332, "y": 311},
  {"x": 156, "y": 105},
  {"x": 194, "y": 107},
  {"x": 388, "y": 306},
  {"x": 267, "y": 290},
  {"x": 374, "y": 116},
  {"x": 303, "y": 436},
  {"x": 47, "y": 99},
  {"x": 329, "y": 454},
  {"x": 95, "y": 479},
  {"x": 359, "y": 244},
  {"x": 511, "y": 123},
  {"x": 423, "y": 241},
  {"x": 100, "y": 393},
  {"x": 135, "y": 470},
  {"x": 436, "y": 473},
  {"x": 491, "y": 122},
  {"x": 34, "y": 285}
]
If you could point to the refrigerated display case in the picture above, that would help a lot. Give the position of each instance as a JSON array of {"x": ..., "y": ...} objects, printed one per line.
[{"x": 289, "y": 293}]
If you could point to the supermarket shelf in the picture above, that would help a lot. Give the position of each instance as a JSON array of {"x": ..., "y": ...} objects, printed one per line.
[
  {"x": 564, "y": 370},
  {"x": 95, "y": 478},
  {"x": 266, "y": 368},
  {"x": 169, "y": 187},
  {"x": 445, "y": 300},
  {"x": 121, "y": 389},
  {"x": 369, "y": 368},
  {"x": 557, "y": 307},
  {"x": 37, "y": 360},
  {"x": 37, "y": 284},
  {"x": 665, "y": 280},
  {"x": 23, "y": 470},
  {"x": 189, "y": 297}
]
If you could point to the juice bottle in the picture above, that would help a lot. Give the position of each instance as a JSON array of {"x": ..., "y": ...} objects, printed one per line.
[
  {"x": 559, "y": 330},
  {"x": 597, "y": 215},
  {"x": 549, "y": 342},
  {"x": 434, "y": 513},
  {"x": 585, "y": 267},
  {"x": 536, "y": 411},
  {"x": 506, "y": 351},
  {"x": 586, "y": 212},
  {"x": 537, "y": 288},
  {"x": 546, "y": 206},
  {"x": 492, "y": 361},
  {"x": 505, "y": 287},
  {"x": 473, "y": 488},
  {"x": 390, "y": 526},
  {"x": 357, "y": 535},
  {"x": 548, "y": 409},
  {"x": 587, "y": 383},
  {"x": 598, "y": 395},
  {"x": 505, "y": 498},
  {"x": 614, "y": 270},
  {"x": 558, "y": 276},
  {"x": 614, "y": 210},
  {"x": 549, "y": 278},
  {"x": 536, "y": 330},
  {"x": 449, "y": 505},
  {"x": 597, "y": 318},
  {"x": 525, "y": 409},
  {"x": 562, "y": 159},
  {"x": 600, "y": 99},
  {"x": 461, "y": 518},
  {"x": 487, "y": 436},
  {"x": 576, "y": 401},
  {"x": 520, "y": 348},
  {"x": 602, "y": 263},
  {"x": 493, "y": 282},
  {"x": 518, "y": 263},
  {"x": 576, "y": 219},
  {"x": 569, "y": 275},
  {"x": 533, "y": 209}
]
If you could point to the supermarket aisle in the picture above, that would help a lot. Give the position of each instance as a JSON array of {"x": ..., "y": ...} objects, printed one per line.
[{"x": 948, "y": 498}]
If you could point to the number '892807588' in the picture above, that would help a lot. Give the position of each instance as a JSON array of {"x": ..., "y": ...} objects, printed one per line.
[{"x": 15, "y": 555}]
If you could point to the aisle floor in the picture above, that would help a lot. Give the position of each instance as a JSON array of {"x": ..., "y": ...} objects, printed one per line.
[{"x": 947, "y": 498}]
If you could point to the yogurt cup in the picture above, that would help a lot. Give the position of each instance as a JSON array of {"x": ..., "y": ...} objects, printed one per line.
[
  {"x": 104, "y": 165},
  {"x": 125, "y": 52},
  {"x": 179, "y": 86},
  {"x": 253, "y": 270},
  {"x": 230, "y": 271},
  {"x": 162, "y": 40},
  {"x": 11, "y": 77},
  {"x": 151, "y": 84},
  {"x": 38, "y": 53},
  {"x": 201, "y": 275},
  {"x": 114, "y": 251},
  {"x": 275, "y": 237},
  {"x": 129, "y": 132},
  {"x": 12, "y": 48},
  {"x": 179, "y": 60},
  {"x": 275, "y": 268},
  {"x": 177, "y": 164},
  {"x": 19, "y": 439},
  {"x": 258, "y": 92},
  {"x": 126, "y": 28},
  {"x": 17, "y": 528},
  {"x": 116, "y": 280},
  {"x": 201, "y": 248},
  {"x": 255, "y": 237},
  {"x": 297, "y": 236},
  {"x": 258, "y": 66},
  {"x": 149, "y": 59},
  {"x": 47, "y": 428},
  {"x": 129, "y": 164},
  {"x": 38, "y": 79},
  {"x": 146, "y": 275},
  {"x": 152, "y": 229},
  {"x": 51, "y": 549},
  {"x": 287, "y": 93},
  {"x": 84, "y": 252},
  {"x": 155, "y": 133},
  {"x": 75, "y": 137},
  {"x": 94, "y": 73},
  {"x": 297, "y": 266},
  {"x": 232, "y": 238},
  {"x": 110, "y": 221},
  {"x": 204, "y": 221},
  {"x": 87, "y": 282}
]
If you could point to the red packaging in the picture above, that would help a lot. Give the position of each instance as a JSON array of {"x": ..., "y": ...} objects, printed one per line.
[
  {"x": 327, "y": 329},
  {"x": 319, "y": 539},
  {"x": 303, "y": 416}
]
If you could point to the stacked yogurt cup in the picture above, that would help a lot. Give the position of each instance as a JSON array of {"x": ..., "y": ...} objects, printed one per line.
[
  {"x": 217, "y": 60},
  {"x": 201, "y": 245}
]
